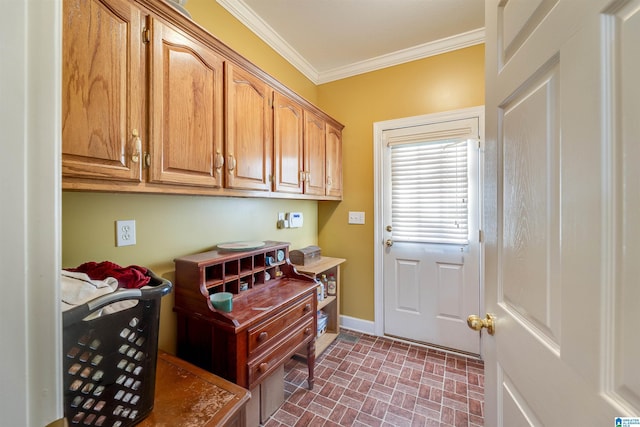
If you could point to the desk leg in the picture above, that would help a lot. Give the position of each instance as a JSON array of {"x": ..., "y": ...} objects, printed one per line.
[{"x": 311, "y": 361}]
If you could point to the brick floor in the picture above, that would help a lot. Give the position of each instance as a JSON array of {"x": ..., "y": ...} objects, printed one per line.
[{"x": 362, "y": 380}]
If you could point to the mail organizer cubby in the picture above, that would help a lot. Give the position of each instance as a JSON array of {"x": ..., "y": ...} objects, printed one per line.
[
  {"x": 233, "y": 271},
  {"x": 273, "y": 312}
]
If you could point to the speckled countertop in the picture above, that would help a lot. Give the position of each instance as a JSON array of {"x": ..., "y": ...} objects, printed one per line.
[{"x": 192, "y": 397}]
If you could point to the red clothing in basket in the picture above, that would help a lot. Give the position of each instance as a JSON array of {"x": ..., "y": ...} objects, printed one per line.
[{"x": 128, "y": 277}]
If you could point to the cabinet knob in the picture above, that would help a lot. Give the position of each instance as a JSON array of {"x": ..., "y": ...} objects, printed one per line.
[
  {"x": 263, "y": 336},
  {"x": 263, "y": 367},
  {"x": 307, "y": 331},
  {"x": 307, "y": 308}
]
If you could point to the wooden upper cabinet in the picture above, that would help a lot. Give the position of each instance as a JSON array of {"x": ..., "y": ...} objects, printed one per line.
[
  {"x": 314, "y": 154},
  {"x": 249, "y": 146},
  {"x": 334, "y": 161},
  {"x": 151, "y": 102},
  {"x": 186, "y": 110},
  {"x": 288, "y": 144},
  {"x": 103, "y": 90}
]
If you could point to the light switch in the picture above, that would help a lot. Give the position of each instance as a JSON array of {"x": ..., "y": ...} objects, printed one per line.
[{"x": 356, "y": 217}]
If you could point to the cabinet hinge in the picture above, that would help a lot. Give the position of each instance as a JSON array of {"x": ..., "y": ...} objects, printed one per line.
[
  {"x": 146, "y": 35},
  {"x": 480, "y": 236}
]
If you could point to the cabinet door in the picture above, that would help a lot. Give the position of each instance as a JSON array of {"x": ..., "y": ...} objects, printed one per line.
[
  {"x": 102, "y": 89},
  {"x": 287, "y": 142},
  {"x": 314, "y": 154},
  {"x": 186, "y": 110},
  {"x": 334, "y": 161},
  {"x": 249, "y": 147}
]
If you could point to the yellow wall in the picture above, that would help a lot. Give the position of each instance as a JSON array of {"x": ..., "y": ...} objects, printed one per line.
[
  {"x": 445, "y": 82},
  {"x": 170, "y": 226}
]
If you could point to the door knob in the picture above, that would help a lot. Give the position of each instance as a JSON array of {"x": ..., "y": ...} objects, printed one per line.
[
  {"x": 389, "y": 243},
  {"x": 477, "y": 323}
]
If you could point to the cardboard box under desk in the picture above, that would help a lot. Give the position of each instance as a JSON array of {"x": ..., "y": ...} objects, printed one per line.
[{"x": 266, "y": 398}]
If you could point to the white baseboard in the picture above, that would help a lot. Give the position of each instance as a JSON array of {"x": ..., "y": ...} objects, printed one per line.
[{"x": 358, "y": 325}]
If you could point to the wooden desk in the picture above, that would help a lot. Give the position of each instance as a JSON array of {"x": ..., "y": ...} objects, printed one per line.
[
  {"x": 271, "y": 318},
  {"x": 190, "y": 396}
]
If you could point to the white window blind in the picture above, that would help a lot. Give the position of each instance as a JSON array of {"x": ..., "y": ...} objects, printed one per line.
[{"x": 429, "y": 192}]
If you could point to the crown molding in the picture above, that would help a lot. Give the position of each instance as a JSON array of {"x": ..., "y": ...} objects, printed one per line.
[
  {"x": 437, "y": 47},
  {"x": 258, "y": 26}
]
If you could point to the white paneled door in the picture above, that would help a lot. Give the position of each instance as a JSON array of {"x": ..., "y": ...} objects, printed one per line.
[
  {"x": 562, "y": 198},
  {"x": 429, "y": 229}
]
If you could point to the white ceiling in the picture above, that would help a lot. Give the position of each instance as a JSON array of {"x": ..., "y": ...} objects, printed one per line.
[{"x": 332, "y": 39}]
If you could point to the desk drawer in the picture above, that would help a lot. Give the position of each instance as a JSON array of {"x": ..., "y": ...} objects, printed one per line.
[
  {"x": 262, "y": 366},
  {"x": 261, "y": 336}
]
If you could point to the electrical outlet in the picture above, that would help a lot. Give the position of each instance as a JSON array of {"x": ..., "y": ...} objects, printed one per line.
[{"x": 126, "y": 233}]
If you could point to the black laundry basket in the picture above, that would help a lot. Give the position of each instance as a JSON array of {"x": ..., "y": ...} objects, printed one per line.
[{"x": 109, "y": 360}]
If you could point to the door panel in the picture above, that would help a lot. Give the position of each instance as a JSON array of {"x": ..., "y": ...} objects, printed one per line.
[
  {"x": 559, "y": 195},
  {"x": 531, "y": 189},
  {"x": 407, "y": 293},
  {"x": 451, "y": 291}
]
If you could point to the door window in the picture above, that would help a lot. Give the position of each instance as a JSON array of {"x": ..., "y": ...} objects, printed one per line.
[{"x": 429, "y": 192}]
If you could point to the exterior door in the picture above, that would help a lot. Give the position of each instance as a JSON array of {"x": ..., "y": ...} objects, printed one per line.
[
  {"x": 562, "y": 202},
  {"x": 431, "y": 215}
]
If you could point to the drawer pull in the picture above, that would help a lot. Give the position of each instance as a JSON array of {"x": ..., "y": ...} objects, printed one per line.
[
  {"x": 263, "y": 336},
  {"x": 307, "y": 331},
  {"x": 307, "y": 308},
  {"x": 263, "y": 367}
]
